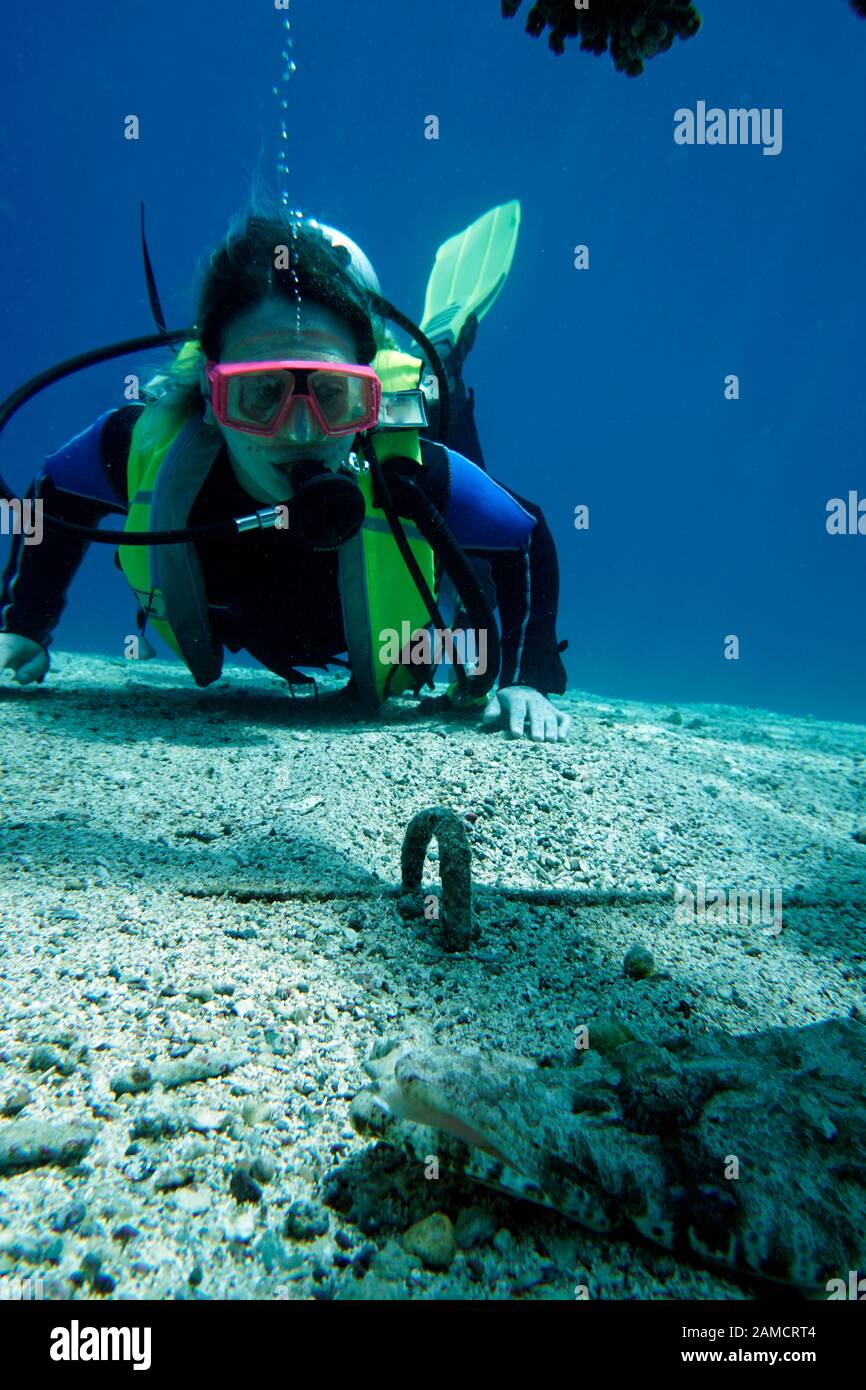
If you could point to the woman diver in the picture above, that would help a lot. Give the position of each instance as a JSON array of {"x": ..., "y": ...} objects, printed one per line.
[{"x": 275, "y": 410}]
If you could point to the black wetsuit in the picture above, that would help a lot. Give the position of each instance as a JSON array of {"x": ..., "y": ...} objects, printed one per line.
[{"x": 269, "y": 594}]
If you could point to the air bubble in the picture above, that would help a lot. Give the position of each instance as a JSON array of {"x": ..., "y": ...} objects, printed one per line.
[{"x": 288, "y": 68}]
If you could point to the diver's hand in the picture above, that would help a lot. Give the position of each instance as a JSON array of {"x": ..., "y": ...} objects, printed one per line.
[
  {"x": 26, "y": 658},
  {"x": 516, "y": 703}
]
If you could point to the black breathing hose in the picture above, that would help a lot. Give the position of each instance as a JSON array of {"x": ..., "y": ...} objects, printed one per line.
[{"x": 393, "y": 478}]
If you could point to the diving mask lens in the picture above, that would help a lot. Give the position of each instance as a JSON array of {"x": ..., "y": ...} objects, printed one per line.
[
  {"x": 257, "y": 398},
  {"x": 344, "y": 401}
]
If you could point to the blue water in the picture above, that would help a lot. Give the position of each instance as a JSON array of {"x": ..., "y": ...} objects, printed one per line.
[{"x": 604, "y": 387}]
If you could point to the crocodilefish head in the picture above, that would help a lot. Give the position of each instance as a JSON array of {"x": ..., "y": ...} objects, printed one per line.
[
  {"x": 480, "y": 1099},
  {"x": 423, "y": 1086}
]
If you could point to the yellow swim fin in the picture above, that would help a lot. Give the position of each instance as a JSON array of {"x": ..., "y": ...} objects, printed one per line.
[{"x": 469, "y": 273}]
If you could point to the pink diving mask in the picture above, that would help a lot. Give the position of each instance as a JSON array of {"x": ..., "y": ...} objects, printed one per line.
[{"x": 258, "y": 396}]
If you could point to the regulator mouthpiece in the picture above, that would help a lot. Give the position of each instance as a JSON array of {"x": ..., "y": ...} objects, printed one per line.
[{"x": 327, "y": 509}]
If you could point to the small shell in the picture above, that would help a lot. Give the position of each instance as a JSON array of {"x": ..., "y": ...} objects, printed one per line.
[{"x": 638, "y": 963}]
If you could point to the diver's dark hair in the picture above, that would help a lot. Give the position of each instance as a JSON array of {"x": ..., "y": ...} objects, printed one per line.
[
  {"x": 243, "y": 270},
  {"x": 269, "y": 256}
]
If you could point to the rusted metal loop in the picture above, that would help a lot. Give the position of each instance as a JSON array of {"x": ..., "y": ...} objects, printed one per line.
[{"x": 457, "y": 928}]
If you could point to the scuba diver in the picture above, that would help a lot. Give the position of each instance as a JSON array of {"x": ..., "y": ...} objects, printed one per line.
[{"x": 291, "y": 409}]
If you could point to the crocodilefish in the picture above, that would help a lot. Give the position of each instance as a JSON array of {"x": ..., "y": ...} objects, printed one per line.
[{"x": 747, "y": 1152}]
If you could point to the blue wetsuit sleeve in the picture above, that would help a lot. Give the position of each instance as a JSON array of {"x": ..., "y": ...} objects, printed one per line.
[
  {"x": 79, "y": 482},
  {"x": 77, "y": 468},
  {"x": 481, "y": 514}
]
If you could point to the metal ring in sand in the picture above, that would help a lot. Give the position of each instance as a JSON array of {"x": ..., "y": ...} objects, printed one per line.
[{"x": 455, "y": 870}]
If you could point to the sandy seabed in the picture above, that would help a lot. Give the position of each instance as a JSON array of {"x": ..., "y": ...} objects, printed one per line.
[{"x": 202, "y": 884}]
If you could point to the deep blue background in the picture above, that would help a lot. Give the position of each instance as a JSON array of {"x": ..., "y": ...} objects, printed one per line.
[{"x": 606, "y": 387}]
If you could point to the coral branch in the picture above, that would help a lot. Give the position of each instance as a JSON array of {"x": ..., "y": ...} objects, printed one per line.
[{"x": 633, "y": 30}]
